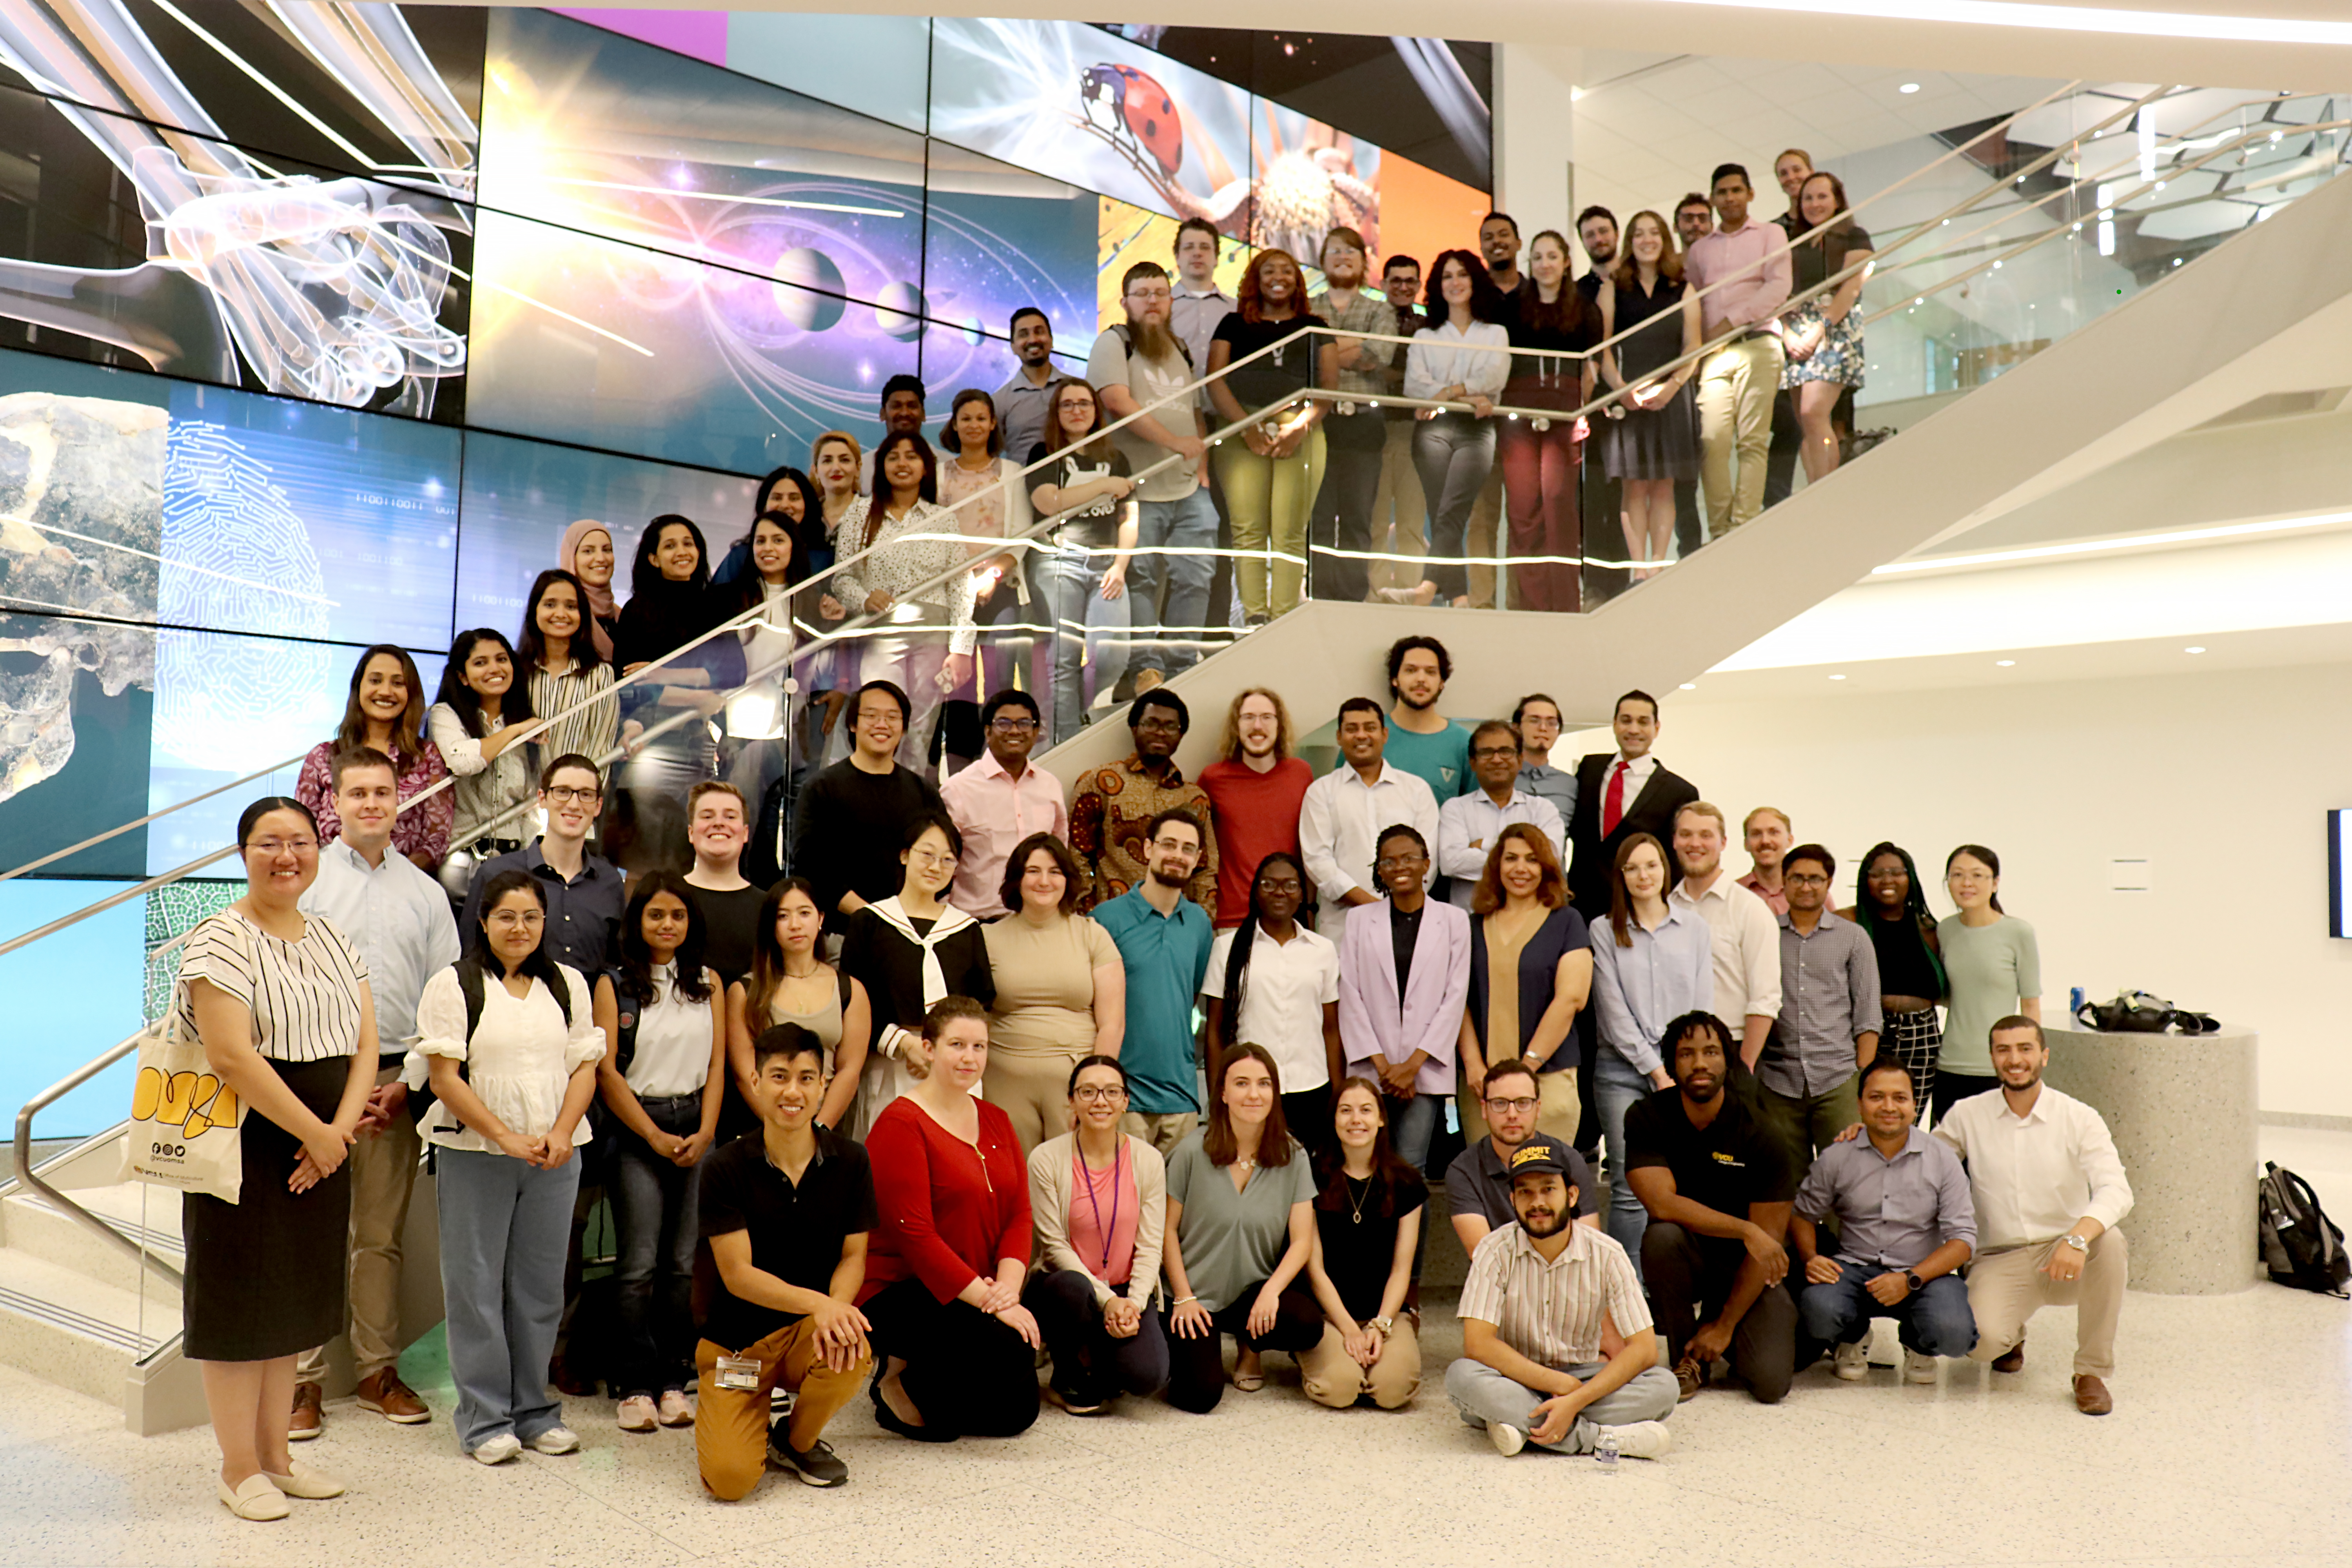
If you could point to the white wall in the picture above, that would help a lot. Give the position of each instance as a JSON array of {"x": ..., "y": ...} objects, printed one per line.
[
  {"x": 2223, "y": 780},
  {"x": 1535, "y": 133}
]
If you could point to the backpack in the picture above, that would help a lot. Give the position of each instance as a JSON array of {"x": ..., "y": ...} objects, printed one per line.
[
  {"x": 1126, "y": 341},
  {"x": 470, "y": 986},
  {"x": 2299, "y": 1245}
]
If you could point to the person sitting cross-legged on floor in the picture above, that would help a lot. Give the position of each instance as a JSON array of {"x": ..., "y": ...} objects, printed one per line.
[
  {"x": 1540, "y": 1295},
  {"x": 1904, "y": 1225}
]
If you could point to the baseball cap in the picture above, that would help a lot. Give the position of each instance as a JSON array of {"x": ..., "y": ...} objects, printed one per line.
[{"x": 1541, "y": 1155}]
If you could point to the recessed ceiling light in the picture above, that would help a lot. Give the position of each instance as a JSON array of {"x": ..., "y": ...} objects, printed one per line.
[
  {"x": 2193, "y": 651},
  {"x": 1841, "y": 678},
  {"x": 1690, "y": 686},
  {"x": 2004, "y": 663},
  {"x": 1908, "y": 86}
]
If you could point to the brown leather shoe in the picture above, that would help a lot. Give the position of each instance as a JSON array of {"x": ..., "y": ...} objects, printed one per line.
[
  {"x": 1689, "y": 1378},
  {"x": 304, "y": 1422},
  {"x": 2013, "y": 1361},
  {"x": 393, "y": 1400},
  {"x": 2091, "y": 1396}
]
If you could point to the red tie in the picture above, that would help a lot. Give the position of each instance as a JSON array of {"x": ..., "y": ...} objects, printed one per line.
[{"x": 1612, "y": 801}]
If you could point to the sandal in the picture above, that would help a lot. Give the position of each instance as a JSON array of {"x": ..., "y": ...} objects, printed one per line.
[{"x": 1249, "y": 1382}]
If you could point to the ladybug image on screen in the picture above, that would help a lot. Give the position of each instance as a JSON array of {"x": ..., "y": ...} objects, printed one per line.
[{"x": 1141, "y": 109}]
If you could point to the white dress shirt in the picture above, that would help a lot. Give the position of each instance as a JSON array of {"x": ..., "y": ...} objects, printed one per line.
[
  {"x": 2033, "y": 1176},
  {"x": 398, "y": 918},
  {"x": 1747, "y": 948},
  {"x": 1339, "y": 824},
  {"x": 1283, "y": 992},
  {"x": 1436, "y": 360},
  {"x": 1468, "y": 825},
  {"x": 1637, "y": 778}
]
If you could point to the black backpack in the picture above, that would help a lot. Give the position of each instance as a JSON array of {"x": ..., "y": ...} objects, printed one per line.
[
  {"x": 470, "y": 986},
  {"x": 2299, "y": 1245}
]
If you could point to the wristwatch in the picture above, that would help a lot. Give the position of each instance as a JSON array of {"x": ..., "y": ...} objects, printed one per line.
[
  {"x": 2076, "y": 1242},
  {"x": 1387, "y": 1326},
  {"x": 1911, "y": 1279}
]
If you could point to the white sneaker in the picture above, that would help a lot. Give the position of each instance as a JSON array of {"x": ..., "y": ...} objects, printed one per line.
[
  {"x": 676, "y": 1410},
  {"x": 1508, "y": 1439},
  {"x": 637, "y": 1414},
  {"x": 1641, "y": 1439},
  {"x": 557, "y": 1440},
  {"x": 1852, "y": 1361},
  {"x": 498, "y": 1450},
  {"x": 1917, "y": 1368}
]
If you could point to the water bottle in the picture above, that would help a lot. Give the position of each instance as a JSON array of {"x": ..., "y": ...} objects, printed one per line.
[
  {"x": 1604, "y": 1449},
  {"x": 2074, "y": 1001}
]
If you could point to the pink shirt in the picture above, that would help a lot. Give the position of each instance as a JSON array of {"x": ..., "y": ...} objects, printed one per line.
[
  {"x": 1775, "y": 899},
  {"x": 1755, "y": 258},
  {"x": 1100, "y": 1199},
  {"x": 995, "y": 812}
]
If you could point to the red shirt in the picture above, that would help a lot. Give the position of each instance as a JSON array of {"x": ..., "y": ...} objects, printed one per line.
[
  {"x": 950, "y": 1212},
  {"x": 1257, "y": 814}
]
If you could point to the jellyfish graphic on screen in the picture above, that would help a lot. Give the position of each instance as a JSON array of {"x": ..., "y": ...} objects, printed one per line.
[
  {"x": 1300, "y": 193},
  {"x": 324, "y": 288}
]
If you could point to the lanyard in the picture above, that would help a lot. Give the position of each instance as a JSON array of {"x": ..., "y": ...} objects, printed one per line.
[{"x": 1079, "y": 1158}]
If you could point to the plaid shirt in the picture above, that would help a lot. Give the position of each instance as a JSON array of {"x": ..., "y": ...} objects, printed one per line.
[{"x": 1108, "y": 812}]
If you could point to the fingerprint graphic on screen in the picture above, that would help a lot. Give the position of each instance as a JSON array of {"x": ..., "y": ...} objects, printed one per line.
[{"x": 235, "y": 554}]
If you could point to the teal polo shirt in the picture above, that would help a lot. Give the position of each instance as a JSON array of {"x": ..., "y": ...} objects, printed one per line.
[
  {"x": 1166, "y": 957},
  {"x": 1442, "y": 761}
]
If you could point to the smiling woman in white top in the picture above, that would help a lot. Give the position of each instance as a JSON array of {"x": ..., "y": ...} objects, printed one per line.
[
  {"x": 663, "y": 1081},
  {"x": 892, "y": 544},
  {"x": 1275, "y": 982},
  {"x": 510, "y": 1042},
  {"x": 1454, "y": 451},
  {"x": 480, "y": 719}
]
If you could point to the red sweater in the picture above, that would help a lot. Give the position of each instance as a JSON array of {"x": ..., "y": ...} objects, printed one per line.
[
  {"x": 1257, "y": 814},
  {"x": 949, "y": 1211}
]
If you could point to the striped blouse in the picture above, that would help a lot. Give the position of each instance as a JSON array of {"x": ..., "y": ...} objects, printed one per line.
[
  {"x": 592, "y": 731},
  {"x": 305, "y": 996}
]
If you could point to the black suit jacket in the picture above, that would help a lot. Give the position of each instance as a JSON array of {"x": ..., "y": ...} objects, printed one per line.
[{"x": 1591, "y": 852}]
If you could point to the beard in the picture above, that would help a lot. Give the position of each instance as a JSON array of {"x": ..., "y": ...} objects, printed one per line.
[
  {"x": 1702, "y": 1092},
  {"x": 1152, "y": 339},
  {"x": 1545, "y": 1225},
  {"x": 1167, "y": 879}
]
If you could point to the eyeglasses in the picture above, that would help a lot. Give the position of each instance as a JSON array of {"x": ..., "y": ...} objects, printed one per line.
[
  {"x": 1012, "y": 726},
  {"x": 1399, "y": 862},
  {"x": 1149, "y": 295},
  {"x": 927, "y": 857},
  {"x": 1175, "y": 847},
  {"x": 1085, "y": 405},
  {"x": 515, "y": 916},
  {"x": 1094, "y": 1094},
  {"x": 1489, "y": 753},
  {"x": 1281, "y": 885},
  {"x": 1160, "y": 726},
  {"x": 564, "y": 794},
  {"x": 274, "y": 847},
  {"x": 1517, "y": 1106}
]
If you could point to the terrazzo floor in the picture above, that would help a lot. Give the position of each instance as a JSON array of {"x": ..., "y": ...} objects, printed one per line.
[{"x": 2229, "y": 1443}]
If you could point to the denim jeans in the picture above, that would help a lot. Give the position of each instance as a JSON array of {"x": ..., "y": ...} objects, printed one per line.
[
  {"x": 1617, "y": 1086},
  {"x": 505, "y": 1227},
  {"x": 1454, "y": 453},
  {"x": 1934, "y": 1320},
  {"x": 1412, "y": 1124},
  {"x": 1066, "y": 581},
  {"x": 1186, "y": 525},
  {"x": 654, "y": 1211}
]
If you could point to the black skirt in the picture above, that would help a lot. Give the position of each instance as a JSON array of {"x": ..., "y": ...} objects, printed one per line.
[{"x": 265, "y": 1274}]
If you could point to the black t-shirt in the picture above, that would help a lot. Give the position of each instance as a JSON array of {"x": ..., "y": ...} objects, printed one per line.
[
  {"x": 730, "y": 923},
  {"x": 1276, "y": 375},
  {"x": 1359, "y": 1225},
  {"x": 796, "y": 1232},
  {"x": 1405, "y": 935},
  {"x": 1737, "y": 1159},
  {"x": 1093, "y": 526}
]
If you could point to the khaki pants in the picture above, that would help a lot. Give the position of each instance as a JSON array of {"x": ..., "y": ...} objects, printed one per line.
[
  {"x": 1330, "y": 1375},
  {"x": 383, "y": 1174},
  {"x": 1557, "y": 1117},
  {"x": 1162, "y": 1132},
  {"x": 731, "y": 1424},
  {"x": 1486, "y": 520},
  {"x": 2007, "y": 1288},
  {"x": 1735, "y": 387},
  {"x": 1032, "y": 1088},
  {"x": 1398, "y": 502}
]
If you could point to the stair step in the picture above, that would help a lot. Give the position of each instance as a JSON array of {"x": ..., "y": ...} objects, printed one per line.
[
  {"x": 71, "y": 1330},
  {"x": 149, "y": 1216}
]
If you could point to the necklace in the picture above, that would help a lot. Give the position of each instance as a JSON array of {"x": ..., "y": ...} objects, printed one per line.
[{"x": 1356, "y": 1205}]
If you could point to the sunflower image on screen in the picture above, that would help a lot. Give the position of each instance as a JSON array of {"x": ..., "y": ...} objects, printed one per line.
[{"x": 1301, "y": 193}]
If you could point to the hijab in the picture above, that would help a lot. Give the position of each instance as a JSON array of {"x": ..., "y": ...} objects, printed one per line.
[{"x": 602, "y": 607}]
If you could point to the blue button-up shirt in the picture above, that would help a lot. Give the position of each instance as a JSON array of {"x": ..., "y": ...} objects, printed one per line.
[
  {"x": 1468, "y": 825},
  {"x": 1557, "y": 785},
  {"x": 583, "y": 913},
  {"x": 1890, "y": 1214},
  {"x": 1637, "y": 991},
  {"x": 1166, "y": 957},
  {"x": 1829, "y": 999},
  {"x": 400, "y": 920}
]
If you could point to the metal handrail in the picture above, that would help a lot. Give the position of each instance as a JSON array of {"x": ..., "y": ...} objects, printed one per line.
[{"x": 56, "y": 1199}]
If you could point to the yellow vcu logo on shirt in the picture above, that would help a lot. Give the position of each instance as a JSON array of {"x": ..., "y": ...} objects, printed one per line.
[
  {"x": 194, "y": 1103},
  {"x": 1724, "y": 1158}
]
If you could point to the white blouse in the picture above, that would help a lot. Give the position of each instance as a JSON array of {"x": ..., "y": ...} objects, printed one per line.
[
  {"x": 1436, "y": 360},
  {"x": 519, "y": 1060},
  {"x": 673, "y": 1050},
  {"x": 485, "y": 789},
  {"x": 904, "y": 552}
]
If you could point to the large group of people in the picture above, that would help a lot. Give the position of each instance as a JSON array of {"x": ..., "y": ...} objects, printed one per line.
[{"x": 1009, "y": 1076}]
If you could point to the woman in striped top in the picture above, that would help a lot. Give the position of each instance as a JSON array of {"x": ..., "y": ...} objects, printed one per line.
[
  {"x": 281, "y": 1001},
  {"x": 565, "y": 671}
]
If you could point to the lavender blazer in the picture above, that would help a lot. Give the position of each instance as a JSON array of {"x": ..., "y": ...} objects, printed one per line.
[{"x": 1370, "y": 1022}]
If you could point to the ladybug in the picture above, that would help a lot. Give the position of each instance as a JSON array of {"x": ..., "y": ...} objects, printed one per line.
[{"x": 1143, "y": 107}]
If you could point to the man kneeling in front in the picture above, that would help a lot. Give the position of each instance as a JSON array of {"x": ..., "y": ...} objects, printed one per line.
[
  {"x": 1533, "y": 1311},
  {"x": 785, "y": 1211}
]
